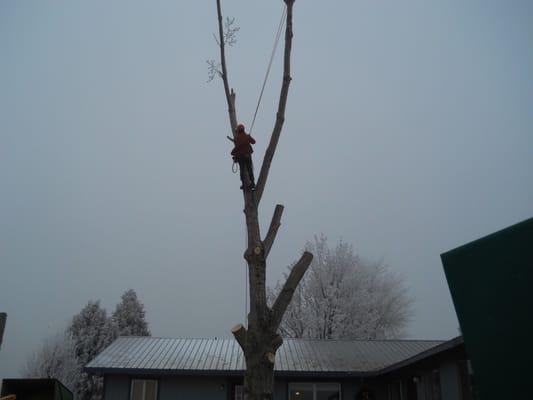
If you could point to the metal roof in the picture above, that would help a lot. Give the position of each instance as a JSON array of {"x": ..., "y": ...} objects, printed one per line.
[{"x": 224, "y": 356}]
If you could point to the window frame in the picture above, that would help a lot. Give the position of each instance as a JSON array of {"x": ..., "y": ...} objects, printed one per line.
[
  {"x": 133, "y": 380},
  {"x": 314, "y": 385},
  {"x": 241, "y": 387}
]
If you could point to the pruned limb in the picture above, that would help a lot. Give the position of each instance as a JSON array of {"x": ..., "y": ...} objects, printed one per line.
[
  {"x": 285, "y": 296},
  {"x": 273, "y": 229},
  {"x": 230, "y": 94},
  {"x": 270, "y": 356},
  {"x": 277, "y": 342},
  {"x": 239, "y": 331},
  {"x": 280, "y": 116}
]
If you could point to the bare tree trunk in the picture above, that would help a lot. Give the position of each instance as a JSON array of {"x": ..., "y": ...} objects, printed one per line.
[{"x": 261, "y": 341}]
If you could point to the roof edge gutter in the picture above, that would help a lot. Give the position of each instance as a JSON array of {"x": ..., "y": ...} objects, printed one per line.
[{"x": 235, "y": 373}]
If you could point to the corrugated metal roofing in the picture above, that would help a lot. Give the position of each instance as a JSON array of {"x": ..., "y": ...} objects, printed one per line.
[{"x": 164, "y": 355}]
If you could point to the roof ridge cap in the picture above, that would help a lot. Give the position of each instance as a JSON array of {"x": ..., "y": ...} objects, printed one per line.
[{"x": 288, "y": 338}]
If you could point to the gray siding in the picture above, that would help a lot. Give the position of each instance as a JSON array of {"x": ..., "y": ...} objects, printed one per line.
[
  {"x": 449, "y": 381},
  {"x": 212, "y": 388},
  {"x": 280, "y": 390},
  {"x": 193, "y": 388},
  {"x": 116, "y": 387},
  {"x": 183, "y": 388}
]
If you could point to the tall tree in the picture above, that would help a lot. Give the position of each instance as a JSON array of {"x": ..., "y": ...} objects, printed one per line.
[
  {"x": 56, "y": 359},
  {"x": 343, "y": 297},
  {"x": 91, "y": 331},
  {"x": 260, "y": 340},
  {"x": 129, "y": 316}
]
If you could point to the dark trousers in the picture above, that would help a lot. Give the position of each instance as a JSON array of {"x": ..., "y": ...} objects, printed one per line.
[{"x": 245, "y": 164}]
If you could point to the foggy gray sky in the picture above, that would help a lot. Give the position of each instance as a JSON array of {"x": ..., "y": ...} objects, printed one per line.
[{"x": 408, "y": 133}]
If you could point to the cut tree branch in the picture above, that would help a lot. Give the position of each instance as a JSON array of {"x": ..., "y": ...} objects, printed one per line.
[
  {"x": 280, "y": 116},
  {"x": 273, "y": 229},
  {"x": 239, "y": 332},
  {"x": 271, "y": 357},
  {"x": 278, "y": 341},
  {"x": 230, "y": 94},
  {"x": 285, "y": 296}
]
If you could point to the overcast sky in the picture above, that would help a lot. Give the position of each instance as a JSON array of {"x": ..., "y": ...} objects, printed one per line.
[{"x": 408, "y": 133}]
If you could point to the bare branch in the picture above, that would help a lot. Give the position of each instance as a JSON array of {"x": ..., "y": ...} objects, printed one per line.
[
  {"x": 273, "y": 229},
  {"x": 280, "y": 116},
  {"x": 239, "y": 331},
  {"x": 230, "y": 94},
  {"x": 285, "y": 296}
]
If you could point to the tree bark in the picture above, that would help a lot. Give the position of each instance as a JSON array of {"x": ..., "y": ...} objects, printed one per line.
[
  {"x": 261, "y": 341},
  {"x": 3, "y": 318}
]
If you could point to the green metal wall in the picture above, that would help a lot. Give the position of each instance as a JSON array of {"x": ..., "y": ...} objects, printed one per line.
[{"x": 491, "y": 283}]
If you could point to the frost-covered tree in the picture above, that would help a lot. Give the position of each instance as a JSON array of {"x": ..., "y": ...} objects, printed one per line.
[
  {"x": 91, "y": 331},
  {"x": 56, "y": 359},
  {"x": 129, "y": 316},
  {"x": 344, "y": 297}
]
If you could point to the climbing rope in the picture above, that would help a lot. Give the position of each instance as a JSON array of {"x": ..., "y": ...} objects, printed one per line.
[
  {"x": 276, "y": 41},
  {"x": 246, "y": 281}
]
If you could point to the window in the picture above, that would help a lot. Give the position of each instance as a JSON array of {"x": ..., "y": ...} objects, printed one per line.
[
  {"x": 314, "y": 391},
  {"x": 143, "y": 389},
  {"x": 239, "y": 392}
]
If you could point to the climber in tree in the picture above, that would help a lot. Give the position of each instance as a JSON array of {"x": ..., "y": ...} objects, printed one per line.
[{"x": 242, "y": 154}]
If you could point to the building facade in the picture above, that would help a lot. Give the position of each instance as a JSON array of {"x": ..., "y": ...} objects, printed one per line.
[{"x": 136, "y": 368}]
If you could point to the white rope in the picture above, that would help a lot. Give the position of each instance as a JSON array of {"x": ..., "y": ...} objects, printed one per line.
[{"x": 276, "y": 41}]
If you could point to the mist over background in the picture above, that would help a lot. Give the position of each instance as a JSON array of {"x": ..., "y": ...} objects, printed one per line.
[{"x": 407, "y": 133}]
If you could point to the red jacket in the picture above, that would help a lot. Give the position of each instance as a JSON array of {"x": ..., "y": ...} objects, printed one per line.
[{"x": 243, "y": 145}]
